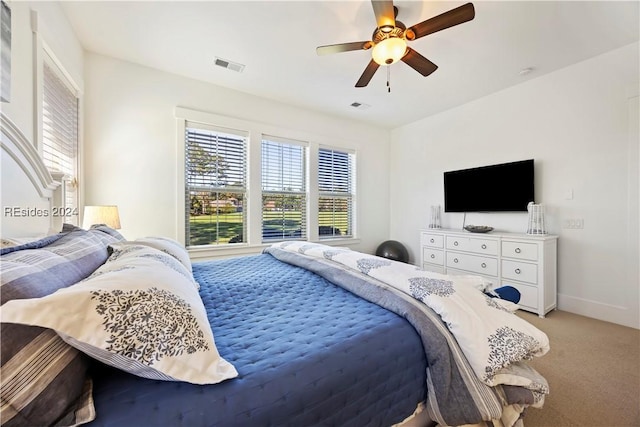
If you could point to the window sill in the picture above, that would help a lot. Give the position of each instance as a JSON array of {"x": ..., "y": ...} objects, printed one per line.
[{"x": 205, "y": 253}]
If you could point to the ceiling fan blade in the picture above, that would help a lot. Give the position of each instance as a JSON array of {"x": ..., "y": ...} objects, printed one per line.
[
  {"x": 445, "y": 20},
  {"x": 418, "y": 62},
  {"x": 343, "y": 47},
  {"x": 385, "y": 15},
  {"x": 365, "y": 78}
]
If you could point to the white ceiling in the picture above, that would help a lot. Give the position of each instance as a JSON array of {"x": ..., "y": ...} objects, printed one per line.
[{"x": 277, "y": 40}]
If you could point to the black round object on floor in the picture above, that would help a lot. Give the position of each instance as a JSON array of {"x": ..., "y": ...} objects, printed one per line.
[{"x": 392, "y": 249}]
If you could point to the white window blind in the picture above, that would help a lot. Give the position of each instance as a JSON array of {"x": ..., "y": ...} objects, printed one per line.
[
  {"x": 284, "y": 197},
  {"x": 336, "y": 193},
  {"x": 60, "y": 134},
  {"x": 215, "y": 168}
]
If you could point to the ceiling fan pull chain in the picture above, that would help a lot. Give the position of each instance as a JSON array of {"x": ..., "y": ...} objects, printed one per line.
[{"x": 388, "y": 79}]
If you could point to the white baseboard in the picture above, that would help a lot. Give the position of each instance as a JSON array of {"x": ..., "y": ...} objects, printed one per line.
[{"x": 620, "y": 315}]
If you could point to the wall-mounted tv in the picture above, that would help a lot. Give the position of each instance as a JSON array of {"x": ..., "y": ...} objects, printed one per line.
[{"x": 505, "y": 187}]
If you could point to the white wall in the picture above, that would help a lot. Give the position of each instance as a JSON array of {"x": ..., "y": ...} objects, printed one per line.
[
  {"x": 131, "y": 158},
  {"x": 55, "y": 31},
  {"x": 575, "y": 124}
]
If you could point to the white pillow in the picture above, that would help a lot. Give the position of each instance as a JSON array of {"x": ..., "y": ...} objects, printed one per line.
[
  {"x": 169, "y": 246},
  {"x": 142, "y": 250},
  {"x": 507, "y": 305},
  {"x": 135, "y": 313}
]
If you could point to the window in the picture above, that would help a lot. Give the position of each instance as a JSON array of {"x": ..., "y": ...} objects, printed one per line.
[
  {"x": 60, "y": 134},
  {"x": 216, "y": 162},
  {"x": 284, "y": 197},
  {"x": 243, "y": 185},
  {"x": 336, "y": 193}
]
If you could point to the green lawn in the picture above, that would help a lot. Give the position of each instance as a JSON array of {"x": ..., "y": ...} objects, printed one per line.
[{"x": 204, "y": 229}]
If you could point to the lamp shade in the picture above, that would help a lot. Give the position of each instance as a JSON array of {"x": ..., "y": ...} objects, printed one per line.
[
  {"x": 389, "y": 51},
  {"x": 107, "y": 215}
]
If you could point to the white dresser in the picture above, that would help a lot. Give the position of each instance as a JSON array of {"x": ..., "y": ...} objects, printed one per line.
[{"x": 526, "y": 262}]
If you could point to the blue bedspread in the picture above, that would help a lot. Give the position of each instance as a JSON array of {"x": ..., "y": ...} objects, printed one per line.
[{"x": 308, "y": 353}]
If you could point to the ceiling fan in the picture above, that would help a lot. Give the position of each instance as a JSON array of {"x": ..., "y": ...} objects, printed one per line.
[{"x": 389, "y": 39}]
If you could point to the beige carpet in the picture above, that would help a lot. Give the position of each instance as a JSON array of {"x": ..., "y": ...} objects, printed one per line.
[{"x": 593, "y": 369}]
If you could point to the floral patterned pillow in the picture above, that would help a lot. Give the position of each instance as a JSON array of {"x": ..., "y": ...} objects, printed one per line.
[{"x": 139, "y": 312}]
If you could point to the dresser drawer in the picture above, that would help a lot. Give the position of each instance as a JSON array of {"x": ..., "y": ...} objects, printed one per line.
[
  {"x": 520, "y": 271},
  {"x": 520, "y": 250},
  {"x": 479, "y": 246},
  {"x": 432, "y": 240},
  {"x": 484, "y": 246},
  {"x": 528, "y": 295},
  {"x": 433, "y": 256},
  {"x": 473, "y": 263}
]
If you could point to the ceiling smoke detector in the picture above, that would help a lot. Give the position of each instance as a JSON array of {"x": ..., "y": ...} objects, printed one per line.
[{"x": 233, "y": 66}]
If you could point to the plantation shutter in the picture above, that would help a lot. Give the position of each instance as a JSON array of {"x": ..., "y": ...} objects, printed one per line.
[
  {"x": 284, "y": 198},
  {"x": 60, "y": 134},
  {"x": 216, "y": 170},
  {"x": 336, "y": 193}
]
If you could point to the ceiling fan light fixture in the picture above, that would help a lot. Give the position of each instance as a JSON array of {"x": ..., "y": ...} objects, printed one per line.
[{"x": 389, "y": 51}]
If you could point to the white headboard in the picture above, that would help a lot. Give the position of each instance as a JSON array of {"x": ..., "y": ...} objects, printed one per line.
[{"x": 28, "y": 191}]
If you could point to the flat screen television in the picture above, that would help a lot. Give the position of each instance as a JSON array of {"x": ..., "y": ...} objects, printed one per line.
[{"x": 505, "y": 187}]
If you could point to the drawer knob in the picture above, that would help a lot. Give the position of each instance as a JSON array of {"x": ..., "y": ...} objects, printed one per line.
[
  {"x": 484, "y": 246},
  {"x": 455, "y": 243},
  {"x": 517, "y": 270},
  {"x": 483, "y": 265},
  {"x": 433, "y": 256},
  {"x": 518, "y": 250},
  {"x": 432, "y": 240},
  {"x": 455, "y": 260}
]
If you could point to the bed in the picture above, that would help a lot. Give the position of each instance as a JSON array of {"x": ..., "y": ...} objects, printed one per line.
[{"x": 100, "y": 330}]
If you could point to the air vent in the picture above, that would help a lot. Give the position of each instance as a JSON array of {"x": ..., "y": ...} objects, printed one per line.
[
  {"x": 233, "y": 66},
  {"x": 360, "y": 105}
]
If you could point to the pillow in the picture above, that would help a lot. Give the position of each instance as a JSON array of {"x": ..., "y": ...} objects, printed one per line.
[
  {"x": 141, "y": 250},
  {"x": 57, "y": 389},
  {"x": 169, "y": 246},
  {"x": 14, "y": 245},
  {"x": 103, "y": 233},
  {"x": 108, "y": 230},
  {"x": 508, "y": 293},
  {"x": 135, "y": 313},
  {"x": 507, "y": 305},
  {"x": 9, "y": 242}
]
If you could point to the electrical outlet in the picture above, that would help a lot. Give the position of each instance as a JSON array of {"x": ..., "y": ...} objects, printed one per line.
[{"x": 573, "y": 223}]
